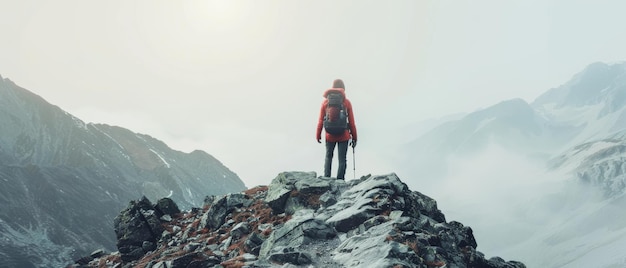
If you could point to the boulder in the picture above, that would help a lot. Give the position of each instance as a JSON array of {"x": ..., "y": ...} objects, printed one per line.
[
  {"x": 292, "y": 191},
  {"x": 294, "y": 236},
  {"x": 136, "y": 225},
  {"x": 166, "y": 206},
  {"x": 220, "y": 208}
]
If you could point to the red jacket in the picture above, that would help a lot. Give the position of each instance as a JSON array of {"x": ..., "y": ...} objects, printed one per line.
[{"x": 349, "y": 133}]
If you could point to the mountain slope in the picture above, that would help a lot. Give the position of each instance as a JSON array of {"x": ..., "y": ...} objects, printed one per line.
[{"x": 54, "y": 167}]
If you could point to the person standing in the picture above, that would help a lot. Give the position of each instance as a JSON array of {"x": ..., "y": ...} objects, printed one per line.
[{"x": 337, "y": 119}]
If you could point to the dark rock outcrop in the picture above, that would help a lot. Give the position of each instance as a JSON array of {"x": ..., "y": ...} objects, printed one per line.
[
  {"x": 375, "y": 221},
  {"x": 137, "y": 228}
]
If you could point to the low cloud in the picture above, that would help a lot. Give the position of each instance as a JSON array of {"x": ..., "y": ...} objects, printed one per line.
[{"x": 506, "y": 198}]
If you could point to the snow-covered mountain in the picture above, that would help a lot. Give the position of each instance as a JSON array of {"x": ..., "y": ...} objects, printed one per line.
[
  {"x": 600, "y": 163},
  {"x": 62, "y": 181},
  {"x": 567, "y": 215},
  {"x": 593, "y": 101},
  {"x": 592, "y": 105}
]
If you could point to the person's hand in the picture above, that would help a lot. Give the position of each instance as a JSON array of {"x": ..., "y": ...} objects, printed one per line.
[
  {"x": 319, "y": 140},
  {"x": 353, "y": 143}
]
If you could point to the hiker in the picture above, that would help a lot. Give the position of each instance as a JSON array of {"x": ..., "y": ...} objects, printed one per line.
[{"x": 337, "y": 119}]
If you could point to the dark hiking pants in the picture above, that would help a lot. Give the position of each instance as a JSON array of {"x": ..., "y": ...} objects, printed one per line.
[{"x": 342, "y": 149}]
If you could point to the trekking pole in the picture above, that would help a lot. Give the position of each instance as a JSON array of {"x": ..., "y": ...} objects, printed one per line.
[{"x": 353, "y": 164}]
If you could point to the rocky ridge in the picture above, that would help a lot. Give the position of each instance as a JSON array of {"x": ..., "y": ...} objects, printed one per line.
[{"x": 299, "y": 220}]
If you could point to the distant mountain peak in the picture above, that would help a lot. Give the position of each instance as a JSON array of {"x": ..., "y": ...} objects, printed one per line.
[
  {"x": 598, "y": 82},
  {"x": 512, "y": 107}
]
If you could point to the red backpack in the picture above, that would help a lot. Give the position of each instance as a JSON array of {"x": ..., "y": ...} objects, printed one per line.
[{"x": 336, "y": 118}]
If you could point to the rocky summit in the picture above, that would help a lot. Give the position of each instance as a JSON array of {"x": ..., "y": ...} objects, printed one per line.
[{"x": 299, "y": 220}]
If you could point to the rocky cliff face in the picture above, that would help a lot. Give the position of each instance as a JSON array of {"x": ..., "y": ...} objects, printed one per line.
[
  {"x": 63, "y": 181},
  {"x": 299, "y": 220}
]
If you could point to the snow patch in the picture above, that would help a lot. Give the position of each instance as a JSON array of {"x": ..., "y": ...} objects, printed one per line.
[
  {"x": 577, "y": 156},
  {"x": 189, "y": 192},
  {"x": 79, "y": 123},
  {"x": 111, "y": 138},
  {"x": 596, "y": 125},
  {"x": 161, "y": 157}
]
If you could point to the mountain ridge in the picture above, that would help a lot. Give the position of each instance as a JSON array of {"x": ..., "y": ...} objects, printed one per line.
[{"x": 56, "y": 169}]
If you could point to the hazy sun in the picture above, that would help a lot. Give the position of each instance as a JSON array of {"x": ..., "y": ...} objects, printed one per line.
[{"x": 217, "y": 15}]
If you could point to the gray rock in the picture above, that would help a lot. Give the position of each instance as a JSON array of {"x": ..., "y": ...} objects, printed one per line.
[
  {"x": 208, "y": 200},
  {"x": 276, "y": 198},
  {"x": 297, "y": 232},
  {"x": 167, "y": 218},
  {"x": 290, "y": 255},
  {"x": 328, "y": 199},
  {"x": 253, "y": 243},
  {"x": 309, "y": 184},
  {"x": 148, "y": 246},
  {"x": 162, "y": 264},
  {"x": 211, "y": 261},
  {"x": 191, "y": 247},
  {"x": 237, "y": 200},
  {"x": 166, "y": 206},
  {"x": 249, "y": 257},
  {"x": 370, "y": 249},
  {"x": 239, "y": 230},
  {"x": 226, "y": 243},
  {"x": 292, "y": 191},
  {"x": 135, "y": 225},
  {"x": 396, "y": 214},
  {"x": 131, "y": 253},
  {"x": 220, "y": 208},
  {"x": 216, "y": 215},
  {"x": 182, "y": 261}
]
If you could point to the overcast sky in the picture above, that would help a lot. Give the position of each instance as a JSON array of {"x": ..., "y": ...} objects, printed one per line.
[{"x": 242, "y": 80}]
